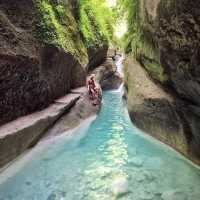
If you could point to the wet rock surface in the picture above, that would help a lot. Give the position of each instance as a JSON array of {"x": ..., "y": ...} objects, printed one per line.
[
  {"x": 32, "y": 74},
  {"x": 170, "y": 54},
  {"x": 23, "y": 133},
  {"x": 159, "y": 113},
  {"x": 112, "y": 82},
  {"x": 180, "y": 51},
  {"x": 83, "y": 109},
  {"x": 97, "y": 56},
  {"x": 107, "y": 74}
]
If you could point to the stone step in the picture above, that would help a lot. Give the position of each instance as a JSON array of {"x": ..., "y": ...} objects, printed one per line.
[
  {"x": 24, "y": 132},
  {"x": 80, "y": 90}
]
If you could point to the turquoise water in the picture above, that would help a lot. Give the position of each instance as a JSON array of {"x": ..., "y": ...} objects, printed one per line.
[{"x": 105, "y": 160}]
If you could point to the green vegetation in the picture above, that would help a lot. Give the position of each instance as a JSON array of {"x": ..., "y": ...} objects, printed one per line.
[
  {"x": 155, "y": 69},
  {"x": 133, "y": 40},
  {"x": 93, "y": 26},
  {"x": 56, "y": 25},
  {"x": 96, "y": 22},
  {"x": 138, "y": 40}
]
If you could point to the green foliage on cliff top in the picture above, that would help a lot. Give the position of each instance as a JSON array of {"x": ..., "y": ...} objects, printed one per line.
[
  {"x": 133, "y": 36},
  {"x": 96, "y": 22},
  {"x": 56, "y": 25},
  {"x": 138, "y": 40}
]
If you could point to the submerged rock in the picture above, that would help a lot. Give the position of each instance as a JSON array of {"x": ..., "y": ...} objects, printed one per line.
[
  {"x": 136, "y": 161},
  {"x": 52, "y": 197},
  {"x": 58, "y": 195},
  {"x": 120, "y": 187},
  {"x": 174, "y": 195}
]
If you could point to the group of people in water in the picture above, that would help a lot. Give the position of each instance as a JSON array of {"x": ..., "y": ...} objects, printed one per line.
[{"x": 93, "y": 89}]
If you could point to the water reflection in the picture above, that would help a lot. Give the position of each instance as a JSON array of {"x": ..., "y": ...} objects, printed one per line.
[{"x": 106, "y": 177}]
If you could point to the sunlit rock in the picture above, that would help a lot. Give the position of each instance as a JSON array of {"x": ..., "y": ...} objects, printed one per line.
[
  {"x": 140, "y": 177},
  {"x": 120, "y": 187}
]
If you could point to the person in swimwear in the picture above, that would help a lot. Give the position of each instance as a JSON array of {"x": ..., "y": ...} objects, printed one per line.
[{"x": 91, "y": 86}]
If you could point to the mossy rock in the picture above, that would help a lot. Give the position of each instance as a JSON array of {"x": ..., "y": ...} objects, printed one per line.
[
  {"x": 56, "y": 25},
  {"x": 95, "y": 23}
]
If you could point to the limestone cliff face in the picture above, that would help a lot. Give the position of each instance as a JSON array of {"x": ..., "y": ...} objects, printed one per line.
[
  {"x": 96, "y": 56},
  {"x": 155, "y": 110},
  {"x": 167, "y": 46},
  {"x": 42, "y": 55}
]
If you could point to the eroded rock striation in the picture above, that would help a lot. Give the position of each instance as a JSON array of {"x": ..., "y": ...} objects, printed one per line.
[{"x": 167, "y": 46}]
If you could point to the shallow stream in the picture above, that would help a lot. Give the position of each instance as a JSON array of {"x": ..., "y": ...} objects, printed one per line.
[{"x": 105, "y": 159}]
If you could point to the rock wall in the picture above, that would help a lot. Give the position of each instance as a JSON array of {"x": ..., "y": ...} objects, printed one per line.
[
  {"x": 168, "y": 48},
  {"x": 33, "y": 72},
  {"x": 106, "y": 73},
  {"x": 97, "y": 55},
  {"x": 156, "y": 111}
]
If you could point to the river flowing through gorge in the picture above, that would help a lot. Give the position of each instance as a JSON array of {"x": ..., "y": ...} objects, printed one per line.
[{"x": 105, "y": 158}]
